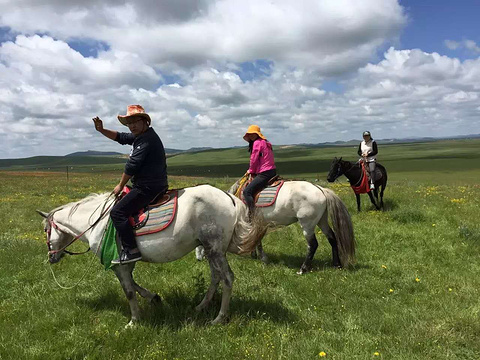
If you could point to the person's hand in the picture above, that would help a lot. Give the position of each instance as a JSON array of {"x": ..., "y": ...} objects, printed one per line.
[
  {"x": 98, "y": 123},
  {"x": 118, "y": 189}
]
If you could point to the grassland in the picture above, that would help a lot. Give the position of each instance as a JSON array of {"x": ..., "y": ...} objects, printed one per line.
[{"x": 413, "y": 293}]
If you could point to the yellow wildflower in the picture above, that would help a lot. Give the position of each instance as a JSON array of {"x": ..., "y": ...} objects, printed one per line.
[
  {"x": 376, "y": 353},
  {"x": 384, "y": 266},
  {"x": 417, "y": 279},
  {"x": 322, "y": 354},
  {"x": 391, "y": 291}
]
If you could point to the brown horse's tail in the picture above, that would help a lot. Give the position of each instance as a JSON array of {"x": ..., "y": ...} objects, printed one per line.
[
  {"x": 247, "y": 234},
  {"x": 342, "y": 227}
]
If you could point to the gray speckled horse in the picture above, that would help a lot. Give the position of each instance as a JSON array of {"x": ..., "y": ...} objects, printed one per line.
[{"x": 205, "y": 215}]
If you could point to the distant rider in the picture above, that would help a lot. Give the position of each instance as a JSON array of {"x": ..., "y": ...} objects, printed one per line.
[
  {"x": 368, "y": 151},
  {"x": 262, "y": 165},
  {"x": 146, "y": 167}
]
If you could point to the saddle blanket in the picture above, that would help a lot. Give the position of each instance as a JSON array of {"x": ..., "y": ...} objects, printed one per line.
[
  {"x": 159, "y": 217},
  {"x": 267, "y": 196}
]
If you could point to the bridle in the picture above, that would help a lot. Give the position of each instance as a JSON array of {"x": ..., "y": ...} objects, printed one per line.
[
  {"x": 52, "y": 224},
  {"x": 340, "y": 169}
]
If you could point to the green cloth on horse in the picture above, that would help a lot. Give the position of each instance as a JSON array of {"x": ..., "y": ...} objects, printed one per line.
[{"x": 109, "y": 249}]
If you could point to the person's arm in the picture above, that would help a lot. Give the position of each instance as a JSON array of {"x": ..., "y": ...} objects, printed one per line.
[
  {"x": 255, "y": 157},
  {"x": 137, "y": 158},
  {"x": 111, "y": 134},
  {"x": 374, "y": 149},
  {"x": 359, "y": 152},
  {"x": 121, "y": 184}
]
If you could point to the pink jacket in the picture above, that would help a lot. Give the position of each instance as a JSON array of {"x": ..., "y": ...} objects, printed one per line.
[{"x": 261, "y": 158}]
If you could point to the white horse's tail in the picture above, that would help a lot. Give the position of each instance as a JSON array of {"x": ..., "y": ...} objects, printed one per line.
[
  {"x": 246, "y": 235},
  {"x": 342, "y": 227}
]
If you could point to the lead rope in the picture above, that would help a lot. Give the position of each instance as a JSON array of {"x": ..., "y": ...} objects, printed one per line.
[{"x": 83, "y": 276}]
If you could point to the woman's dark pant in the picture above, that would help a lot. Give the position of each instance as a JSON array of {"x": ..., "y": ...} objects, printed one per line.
[
  {"x": 135, "y": 200},
  {"x": 258, "y": 184}
]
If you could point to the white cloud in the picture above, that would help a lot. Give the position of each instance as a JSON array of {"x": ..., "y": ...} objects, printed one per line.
[
  {"x": 464, "y": 44},
  {"x": 331, "y": 36},
  {"x": 49, "y": 92}
]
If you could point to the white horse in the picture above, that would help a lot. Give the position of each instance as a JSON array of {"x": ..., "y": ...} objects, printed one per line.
[
  {"x": 205, "y": 215},
  {"x": 310, "y": 205}
]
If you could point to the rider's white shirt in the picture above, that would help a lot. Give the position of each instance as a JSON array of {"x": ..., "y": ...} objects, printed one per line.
[{"x": 367, "y": 147}]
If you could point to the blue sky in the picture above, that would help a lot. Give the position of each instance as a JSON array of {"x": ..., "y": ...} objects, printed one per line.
[
  {"x": 304, "y": 72},
  {"x": 434, "y": 21}
]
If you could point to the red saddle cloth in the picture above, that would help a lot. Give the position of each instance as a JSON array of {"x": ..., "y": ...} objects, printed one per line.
[
  {"x": 267, "y": 196},
  {"x": 156, "y": 216},
  {"x": 364, "y": 186}
]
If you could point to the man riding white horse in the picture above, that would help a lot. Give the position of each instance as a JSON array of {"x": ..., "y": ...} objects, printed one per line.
[{"x": 146, "y": 168}]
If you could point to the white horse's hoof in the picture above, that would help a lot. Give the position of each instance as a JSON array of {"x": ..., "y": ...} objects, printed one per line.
[
  {"x": 130, "y": 325},
  {"x": 220, "y": 319}
]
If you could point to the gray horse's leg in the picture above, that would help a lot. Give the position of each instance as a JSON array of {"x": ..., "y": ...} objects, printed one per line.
[
  {"x": 312, "y": 245},
  {"x": 328, "y": 232},
  {"x": 124, "y": 275}
]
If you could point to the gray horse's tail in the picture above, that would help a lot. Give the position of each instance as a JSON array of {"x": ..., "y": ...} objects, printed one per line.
[
  {"x": 342, "y": 227},
  {"x": 247, "y": 235}
]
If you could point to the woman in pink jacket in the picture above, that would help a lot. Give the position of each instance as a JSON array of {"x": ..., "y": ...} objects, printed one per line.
[{"x": 262, "y": 164}]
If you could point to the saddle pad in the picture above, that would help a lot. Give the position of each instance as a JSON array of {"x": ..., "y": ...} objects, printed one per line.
[
  {"x": 267, "y": 196},
  {"x": 160, "y": 217}
]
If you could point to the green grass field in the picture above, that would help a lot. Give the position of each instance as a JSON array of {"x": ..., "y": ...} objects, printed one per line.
[{"x": 413, "y": 293}]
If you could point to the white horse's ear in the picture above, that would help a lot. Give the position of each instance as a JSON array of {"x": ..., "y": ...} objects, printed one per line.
[{"x": 42, "y": 214}]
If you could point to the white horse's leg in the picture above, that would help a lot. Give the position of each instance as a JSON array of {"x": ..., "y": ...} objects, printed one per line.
[
  {"x": 124, "y": 275},
  {"x": 312, "y": 244},
  {"x": 328, "y": 232},
  {"x": 199, "y": 252},
  {"x": 154, "y": 298},
  {"x": 214, "y": 280},
  {"x": 262, "y": 254},
  {"x": 226, "y": 273}
]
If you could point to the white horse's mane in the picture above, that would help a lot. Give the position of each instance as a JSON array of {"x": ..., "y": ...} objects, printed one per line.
[{"x": 75, "y": 204}]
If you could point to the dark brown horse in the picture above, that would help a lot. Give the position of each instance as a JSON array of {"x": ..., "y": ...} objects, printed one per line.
[{"x": 354, "y": 172}]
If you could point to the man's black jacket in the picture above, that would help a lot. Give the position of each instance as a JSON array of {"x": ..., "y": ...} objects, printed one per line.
[{"x": 147, "y": 163}]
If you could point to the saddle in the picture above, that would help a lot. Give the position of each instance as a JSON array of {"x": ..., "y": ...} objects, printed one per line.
[
  {"x": 377, "y": 175},
  {"x": 267, "y": 196},
  {"x": 162, "y": 203}
]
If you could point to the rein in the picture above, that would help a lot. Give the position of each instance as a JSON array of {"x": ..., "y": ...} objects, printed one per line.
[
  {"x": 75, "y": 237},
  {"x": 361, "y": 175}
]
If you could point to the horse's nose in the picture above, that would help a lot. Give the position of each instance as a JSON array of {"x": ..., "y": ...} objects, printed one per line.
[{"x": 54, "y": 258}]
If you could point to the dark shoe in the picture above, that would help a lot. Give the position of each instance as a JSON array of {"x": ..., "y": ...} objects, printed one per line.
[{"x": 126, "y": 257}]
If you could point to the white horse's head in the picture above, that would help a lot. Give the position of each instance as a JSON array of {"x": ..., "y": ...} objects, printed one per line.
[
  {"x": 69, "y": 222},
  {"x": 57, "y": 240}
]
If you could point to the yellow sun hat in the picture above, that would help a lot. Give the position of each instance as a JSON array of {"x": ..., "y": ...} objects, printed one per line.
[{"x": 253, "y": 129}]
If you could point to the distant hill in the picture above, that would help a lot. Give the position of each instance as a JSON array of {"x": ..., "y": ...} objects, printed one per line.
[{"x": 95, "y": 153}]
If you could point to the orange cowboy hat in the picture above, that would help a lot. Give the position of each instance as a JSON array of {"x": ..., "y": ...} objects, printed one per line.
[
  {"x": 134, "y": 111},
  {"x": 253, "y": 129}
]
